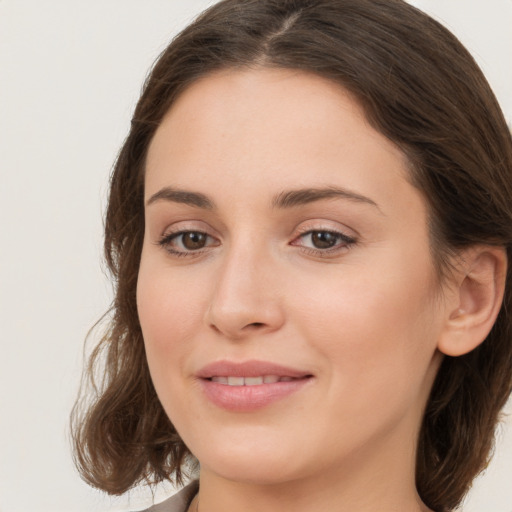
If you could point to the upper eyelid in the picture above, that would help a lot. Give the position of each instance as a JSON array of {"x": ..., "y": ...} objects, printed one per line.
[
  {"x": 324, "y": 230},
  {"x": 175, "y": 234},
  {"x": 302, "y": 228},
  {"x": 317, "y": 225},
  {"x": 183, "y": 226},
  {"x": 345, "y": 238},
  {"x": 308, "y": 229}
]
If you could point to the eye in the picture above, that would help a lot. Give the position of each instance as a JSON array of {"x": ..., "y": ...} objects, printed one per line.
[
  {"x": 183, "y": 243},
  {"x": 322, "y": 241}
]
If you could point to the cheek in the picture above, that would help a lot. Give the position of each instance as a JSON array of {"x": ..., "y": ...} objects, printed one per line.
[
  {"x": 169, "y": 304},
  {"x": 170, "y": 311},
  {"x": 169, "y": 314},
  {"x": 376, "y": 329}
]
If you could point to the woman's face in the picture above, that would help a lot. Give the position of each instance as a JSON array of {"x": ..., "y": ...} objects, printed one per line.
[{"x": 287, "y": 295}]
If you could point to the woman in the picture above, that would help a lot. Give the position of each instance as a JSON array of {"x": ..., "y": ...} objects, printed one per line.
[{"x": 309, "y": 226}]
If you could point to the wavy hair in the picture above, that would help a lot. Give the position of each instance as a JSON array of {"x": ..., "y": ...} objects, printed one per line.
[{"x": 420, "y": 88}]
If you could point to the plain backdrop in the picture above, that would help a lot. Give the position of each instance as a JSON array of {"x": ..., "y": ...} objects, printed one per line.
[{"x": 70, "y": 73}]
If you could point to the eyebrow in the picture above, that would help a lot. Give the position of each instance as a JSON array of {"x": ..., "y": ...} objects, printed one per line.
[
  {"x": 293, "y": 198},
  {"x": 285, "y": 199},
  {"x": 182, "y": 196}
]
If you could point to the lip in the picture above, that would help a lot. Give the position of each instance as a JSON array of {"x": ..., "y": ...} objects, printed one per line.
[
  {"x": 250, "y": 398},
  {"x": 253, "y": 368}
]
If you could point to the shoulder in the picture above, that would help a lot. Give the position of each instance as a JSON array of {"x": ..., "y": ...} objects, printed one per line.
[{"x": 179, "y": 502}]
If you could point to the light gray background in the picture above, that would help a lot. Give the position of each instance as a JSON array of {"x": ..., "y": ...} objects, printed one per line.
[{"x": 70, "y": 73}]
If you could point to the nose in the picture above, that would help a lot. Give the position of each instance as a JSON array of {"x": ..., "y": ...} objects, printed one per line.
[{"x": 246, "y": 295}]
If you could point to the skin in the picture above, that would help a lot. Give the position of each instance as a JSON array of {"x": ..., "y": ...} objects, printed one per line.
[{"x": 364, "y": 318}]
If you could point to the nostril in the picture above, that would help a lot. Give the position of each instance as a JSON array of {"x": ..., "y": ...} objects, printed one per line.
[{"x": 256, "y": 324}]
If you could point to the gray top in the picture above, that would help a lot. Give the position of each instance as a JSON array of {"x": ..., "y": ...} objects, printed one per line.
[{"x": 179, "y": 502}]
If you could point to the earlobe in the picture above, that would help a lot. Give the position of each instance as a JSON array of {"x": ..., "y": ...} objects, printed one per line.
[{"x": 477, "y": 297}]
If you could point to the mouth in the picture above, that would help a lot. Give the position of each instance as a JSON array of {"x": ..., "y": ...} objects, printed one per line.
[
  {"x": 251, "y": 381},
  {"x": 250, "y": 385}
]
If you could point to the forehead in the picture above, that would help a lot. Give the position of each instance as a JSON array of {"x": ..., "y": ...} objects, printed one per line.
[{"x": 279, "y": 126}]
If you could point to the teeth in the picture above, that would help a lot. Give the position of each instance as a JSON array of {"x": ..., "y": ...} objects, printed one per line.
[
  {"x": 251, "y": 381},
  {"x": 235, "y": 381}
]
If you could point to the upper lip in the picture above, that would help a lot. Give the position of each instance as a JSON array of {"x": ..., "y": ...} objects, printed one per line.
[{"x": 252, "y": 368}]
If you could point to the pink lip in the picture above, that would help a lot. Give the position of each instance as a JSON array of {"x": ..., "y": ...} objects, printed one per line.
[
  {"x": 249, "y": 398},
  {"x": 248, "y": 369}
]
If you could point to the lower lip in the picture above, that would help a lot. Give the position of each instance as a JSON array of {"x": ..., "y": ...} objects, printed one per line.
[{"x": 250, "y": 398}]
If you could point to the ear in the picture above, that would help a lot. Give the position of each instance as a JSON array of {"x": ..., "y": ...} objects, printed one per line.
[{"x": 475, "y": 300}]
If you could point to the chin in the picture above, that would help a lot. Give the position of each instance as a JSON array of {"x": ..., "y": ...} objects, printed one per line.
[
  {"x": 254, "y": 472},
  {"x": 261, "y": 463}
]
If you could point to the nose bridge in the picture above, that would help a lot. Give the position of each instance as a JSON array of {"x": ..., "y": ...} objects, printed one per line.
[{"x": 245, "y": 297}]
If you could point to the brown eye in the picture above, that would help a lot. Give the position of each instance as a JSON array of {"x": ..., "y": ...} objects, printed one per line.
[
  {"x": 324, "y": 239},
  {"x": 324, "y": 242},
  {"x": 186, "y": 243},
  {"x": 193, "y": 240}
]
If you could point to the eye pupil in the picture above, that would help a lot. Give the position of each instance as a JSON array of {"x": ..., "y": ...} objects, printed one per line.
[
  {"x": 193, "y": 240},
  {"x": 323, "y": 239}
]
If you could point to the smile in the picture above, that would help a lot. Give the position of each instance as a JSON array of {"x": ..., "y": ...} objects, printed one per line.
[
  {"x": 251, "y": 385},
  {"x": 250, "y": 381}
]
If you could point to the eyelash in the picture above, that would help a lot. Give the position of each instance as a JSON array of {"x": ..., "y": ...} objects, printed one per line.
[
  {"x": 167, "y": 239},
  {"x": 344, "y": 242}
]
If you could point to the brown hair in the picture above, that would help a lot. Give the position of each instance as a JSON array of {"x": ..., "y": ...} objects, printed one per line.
[{"x": 421, "y": 89}]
